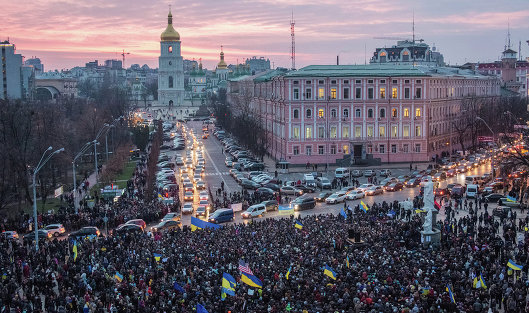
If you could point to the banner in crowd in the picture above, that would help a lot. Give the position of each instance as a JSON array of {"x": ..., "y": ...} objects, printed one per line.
[{"x": 236, "y": 207}]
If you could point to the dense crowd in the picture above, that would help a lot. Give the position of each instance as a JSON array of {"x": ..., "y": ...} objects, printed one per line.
[{"x": 392, "y": 272}]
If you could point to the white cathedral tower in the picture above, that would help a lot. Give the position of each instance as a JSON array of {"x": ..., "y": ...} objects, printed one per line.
[{"x": 170, "y": 68}]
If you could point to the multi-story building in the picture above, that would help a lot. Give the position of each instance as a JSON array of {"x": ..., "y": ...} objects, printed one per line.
[
  {"x": 36, "y": 64},
  {"x": 395, "y": 113},
  {"x": 258, "y": 65},
  {"x": 513, "y": 73},
  {"x": 408, "y": 52},
  {"x": 11, "y": 84}
]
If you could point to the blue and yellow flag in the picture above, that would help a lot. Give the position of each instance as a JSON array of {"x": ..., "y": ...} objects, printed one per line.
[
  {"x": 298, "y": 225},
  {"x": 327, "y": 270},
  {"x": 511, "y": 199},
  {"x": 285, "y": 210},
  {"x": 425, "y": 291},
  {"x": 342, "y": 213},
  {"x": 347, "y": 262},
  {"x": 363, "y": 206},
  {"x": 74, "y": 250},
  {"x": 514, "y": 266},
  {"x": 160, "y": 196},
  {"x": 197, "y": 223},
  {"x": 157, "y": 257},
  {"x": 288, "y": 272},
  {"x": 482, "y": 281},
  {"x": 228, "y": 285},
  {"x": 118, "y": 277},
  {"x": 450, "y": 294},
  {"x": 251, "y": 280}
]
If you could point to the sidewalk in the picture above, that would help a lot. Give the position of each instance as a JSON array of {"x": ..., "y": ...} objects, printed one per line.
[
  {"x": 271, "y": 166},
  {"x": 92, "y": 181}
]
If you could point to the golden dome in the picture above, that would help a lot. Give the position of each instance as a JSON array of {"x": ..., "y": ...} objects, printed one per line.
[
  {"x": 222, "y": 65},
  {"x": 170, "y": 34}
]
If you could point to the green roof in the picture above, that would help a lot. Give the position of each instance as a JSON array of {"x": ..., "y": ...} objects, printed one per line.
[{"x": 267, "y": 76}]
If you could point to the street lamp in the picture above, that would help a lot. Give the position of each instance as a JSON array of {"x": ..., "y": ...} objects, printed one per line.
[
  {"x": 482, "y": 120},
  {"x": 83, "y": 150},
  {"x": 43, "y": 160}
]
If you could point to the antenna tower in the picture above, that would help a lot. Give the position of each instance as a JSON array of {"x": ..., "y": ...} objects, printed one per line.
[
  {"x": 123, "y": 54},
  {"x": 293, "y": 48}
]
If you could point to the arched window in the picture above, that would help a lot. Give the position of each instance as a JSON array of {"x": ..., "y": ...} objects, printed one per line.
[
  {"x": 345, "y": 112},
  {"x": 358, "y": 113},
  {"x": 296, "y": 113},
  {"x": 382, "y": 113},
  {"x": 333, "y": 112},
  {"x": 170, "y": 49},
  {"x": 309, "y": 113},
  {"x": 170, "y": 81},
  {"x": 370, "y": 113},
  {"x": 170, "y": 103},
  {"x": 394, "y": 113}
]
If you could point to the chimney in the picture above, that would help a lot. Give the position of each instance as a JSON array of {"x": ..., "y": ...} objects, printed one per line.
[{"x": 338, "y": 60}]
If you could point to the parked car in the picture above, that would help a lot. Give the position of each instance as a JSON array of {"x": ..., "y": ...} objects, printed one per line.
[
  {"x": 264, "y": 192},
  {"x": 43, "y": 236},
  {"x": 355, "y": 194},
  {"x": 255, "y": 210},
  {"x": 369, "y": 173},
  {"x": 323, "y": 183},
  {"x": 271, "y": 205},
  {"x": 221, "y": 216},
  {"x": 375, "y": 190},
  {"x": 138, "y": 222},
  {"x": 85, "y": 231},
  {"x": 336, "y": 197},
  {"x": 274, "y": 187},
  {"x": 289, "y": 190},
  {"x": 249, "y": 184},
  {"x": 385, "y": 173},
  {"x": 322, "y": 196},
  {"x": 166, "y": 225},
  {"x": 493, "y": 197},
  {"x": 10, "y": 234},
  {"x": 395, "y": 187},
  {"x": 55, "y": 229},
  {"x": 507, "y": 203},
  {"x": 128, "y": 229},
  {"x": 303, "y": 203},
  {"x": 356, "y": 173},
  {"x": 305, "y": 189}
]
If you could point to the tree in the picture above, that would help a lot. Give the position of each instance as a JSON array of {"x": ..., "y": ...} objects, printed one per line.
[{"x": 140, "y": 136}]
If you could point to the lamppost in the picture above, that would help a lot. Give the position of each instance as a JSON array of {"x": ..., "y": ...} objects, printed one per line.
[
  {"x": 482, "y": 120},
  {"x": 83, "y": 150},
  {"x": 43, "y": 160}
]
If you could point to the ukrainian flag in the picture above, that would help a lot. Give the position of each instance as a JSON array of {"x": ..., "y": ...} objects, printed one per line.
[
  {"x": 118, "y": 277},
  {"x": 251, "y": 280},
  {"x": 74, "y": 250},
  {"x": 343, "y": 214},
  {"x": 476, "y": 283},
  {"x": 347, "y": 262},
  {"x": 298, "y": 225},
  {"x": 452, "y": 298},
  {"x": 329, "y": 272},
  {"x": 286, "y": 210},
  {"x": 160, "y": 196},
  {"x": 426, "y": 291},
  {"x": 482, "y": 281},
  {"x": 197, "y": 223},
  {"x": 228, "y": 285},
  {"x": 511, "y": 199},
  {"x": 288, "y": 272},
  {"x": 157, "y": 257},
  {"x": 514, "y": 266},
  {"x": 363, "y": 206}
]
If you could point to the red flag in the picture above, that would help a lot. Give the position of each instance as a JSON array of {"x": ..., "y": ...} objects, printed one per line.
[{"x": 437, "y": 205}]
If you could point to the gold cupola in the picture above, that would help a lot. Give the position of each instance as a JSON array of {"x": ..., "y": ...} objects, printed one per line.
[
  {"x": 222, "y": 64},
  {"x": 170, "y": 34}
]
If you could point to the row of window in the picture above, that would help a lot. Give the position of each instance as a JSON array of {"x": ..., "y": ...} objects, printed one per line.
[
  {"x": 358, "y": 113},
  {"x": 357, "y": 81},
  {"x": 333, "y": 132},
  {"x": 358, "y": 93},
  {"x": 381, "y": 148}
]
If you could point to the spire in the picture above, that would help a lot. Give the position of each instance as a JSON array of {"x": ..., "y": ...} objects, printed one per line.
[{"x": 170, "y": 16}]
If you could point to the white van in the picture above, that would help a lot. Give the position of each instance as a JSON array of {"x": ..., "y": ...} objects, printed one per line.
[
  {"x": 472, "y": 191},
  {"x": 309, "y": 180},
  {"x": 341, "y": 172},
  {"x": 473, "y": 180}
]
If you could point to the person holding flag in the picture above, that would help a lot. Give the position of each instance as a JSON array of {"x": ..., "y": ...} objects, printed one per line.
[{"x": 363, "y": 206}]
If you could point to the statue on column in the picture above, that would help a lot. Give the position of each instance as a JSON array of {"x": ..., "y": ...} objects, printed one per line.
[{"x": 429, "y": 206}]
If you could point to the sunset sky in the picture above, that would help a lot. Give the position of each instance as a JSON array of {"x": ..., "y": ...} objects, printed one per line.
[{"x": 68, "y": 33}]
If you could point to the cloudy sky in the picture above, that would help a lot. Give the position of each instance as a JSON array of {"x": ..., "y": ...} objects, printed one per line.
[{"x": 67, "y": 33}]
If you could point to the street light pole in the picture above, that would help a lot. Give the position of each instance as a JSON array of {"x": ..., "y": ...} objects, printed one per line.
[
  {"x": 34, "y": 178},
  {"x": 83, "y": 150},
  {"x": 480, "y": 119}
]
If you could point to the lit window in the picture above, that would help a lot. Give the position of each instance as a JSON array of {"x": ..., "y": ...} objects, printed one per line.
[
  {"x": 321, "y": 113},
  {"x": 345, "y": 132},
  {"x": 394, "y": 113},
  {"x": 382, "y": 131},
  {"x": 382, "y": 93},
  {"x": 333, "y": 132},
  {"x": 394, "y": 93},
  {"x": 333, "y": 93},
  {"x": 417, "y": 112},
  {"x": 296, "y": 132},
  {"x": 406, "y": 131},
  {"x": 394, "y": 131},
  {"x": 170, "y": 49},
  {"x": 406, "y": 112},
  {"x": 369, "y": 131},
  {"x": 321, "y": 93},
  {"x": 345, "y": 149},
  {"x": 358, "y": 131},
  {"x": 308, "y": 133}
]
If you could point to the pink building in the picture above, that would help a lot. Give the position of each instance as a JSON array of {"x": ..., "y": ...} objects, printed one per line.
[
  {"x": 514, "y": 73},
  {"x": 396, "y": 113}
]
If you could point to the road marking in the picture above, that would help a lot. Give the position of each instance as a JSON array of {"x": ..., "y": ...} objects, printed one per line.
[{"x": 218, "y": 172}]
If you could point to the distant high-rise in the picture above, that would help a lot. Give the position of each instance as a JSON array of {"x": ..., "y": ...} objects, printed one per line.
[
  {"x": 37, "y": 65},
  {"x": 11, "y": 86}
]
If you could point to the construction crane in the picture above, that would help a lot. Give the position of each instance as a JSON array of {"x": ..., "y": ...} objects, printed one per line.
[{"x": 123, "y": 55}]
